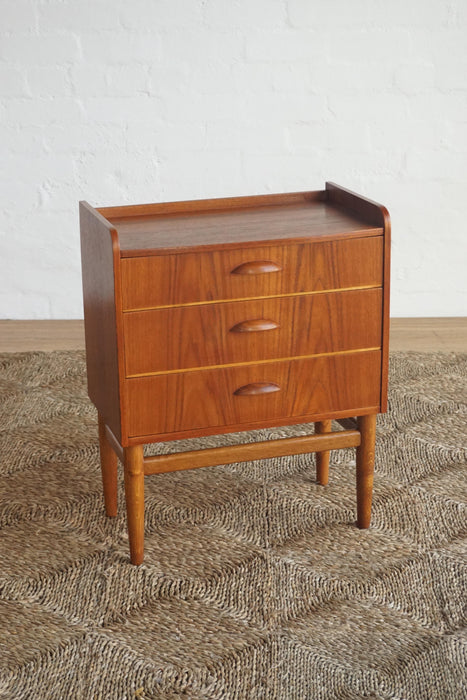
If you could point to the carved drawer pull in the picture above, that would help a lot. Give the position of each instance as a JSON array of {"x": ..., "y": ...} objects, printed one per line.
[
  {"x": 256, "y": 267},
  {"x": 255, "y": 324},
  {"x": 257, "y": 388}
]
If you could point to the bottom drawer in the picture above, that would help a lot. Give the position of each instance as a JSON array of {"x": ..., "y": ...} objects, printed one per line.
[{"x": 252, "y": 395}]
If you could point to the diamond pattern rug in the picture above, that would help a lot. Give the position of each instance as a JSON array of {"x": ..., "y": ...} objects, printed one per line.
[{"x": 256, "y": 581}]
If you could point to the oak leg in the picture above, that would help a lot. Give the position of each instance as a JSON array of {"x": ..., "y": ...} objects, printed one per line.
[
  {"x": 109, "y": 463},
  {"x": 322, "y": 458},
  {"x": 134, "y": 496},
  {"x": 365, "y": 467}
]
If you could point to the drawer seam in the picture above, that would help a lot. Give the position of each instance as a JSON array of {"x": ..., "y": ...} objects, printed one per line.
[
  {"x": 254, "y": 362},
  {"x": 256, "y": 298}
]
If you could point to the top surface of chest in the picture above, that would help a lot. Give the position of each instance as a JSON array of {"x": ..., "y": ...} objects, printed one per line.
[{"x": 237, "y": 222}]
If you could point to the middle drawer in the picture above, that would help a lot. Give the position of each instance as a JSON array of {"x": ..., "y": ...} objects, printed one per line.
[{"x": 224, "y": 333}]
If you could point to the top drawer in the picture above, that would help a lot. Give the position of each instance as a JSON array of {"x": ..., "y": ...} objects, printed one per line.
[{"x": 242, "y": 273}]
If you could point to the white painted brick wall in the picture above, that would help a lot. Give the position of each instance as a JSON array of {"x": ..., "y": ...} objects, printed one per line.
[{"x": 117, "y": 102}]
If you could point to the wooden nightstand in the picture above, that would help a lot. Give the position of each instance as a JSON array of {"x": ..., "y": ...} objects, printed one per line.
[{"x": 225, "y": 315}]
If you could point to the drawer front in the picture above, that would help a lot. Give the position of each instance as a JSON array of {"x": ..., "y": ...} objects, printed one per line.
[
  {"x": 240, "y": 397},
  {"x": 165, "y": 280},
  {"x": 250, "y": 331}
]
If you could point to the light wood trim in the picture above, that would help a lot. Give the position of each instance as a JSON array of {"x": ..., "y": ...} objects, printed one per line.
[
  {"x": 258, "y": 298},
  {"x": 178, "y": 461},
  {"x": 255, "y": 362},
  {"x": 302, "y": 326}
]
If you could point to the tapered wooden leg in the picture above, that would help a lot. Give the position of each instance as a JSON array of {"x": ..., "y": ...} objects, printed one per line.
[
  {"x": 134, "y": 496},
  {"x": 109, "y": 463},
  {"x": 365, "y": 467},
  {"x": 322, "y": 458}
]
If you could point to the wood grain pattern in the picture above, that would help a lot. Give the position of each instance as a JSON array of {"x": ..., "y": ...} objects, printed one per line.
[
  {"x": 134, "y": 497},
  {"x": 197, "y": 206},
  {"x": 418, "y": 334},
  {"x": 156, "y": 234},
  {"x": 100, "y": 260},
  {"x": 200, "y": 336},
  {"x": 322, "y": 458},
  {"x": 177, "y": 461},
  {"x": 350, "y": 202},
  {"x": 365, "y": 468},
  {"x": 377, "y": 215},
  {"x": 190, "y": 401},
  {"x": 155, "y": 281},
  {"x": 273, "y": 423}
]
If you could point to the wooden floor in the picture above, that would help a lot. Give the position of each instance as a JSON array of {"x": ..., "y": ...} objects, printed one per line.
[
  {"x": 422, "y": 334},
  {"x": 429, "y": 334}
]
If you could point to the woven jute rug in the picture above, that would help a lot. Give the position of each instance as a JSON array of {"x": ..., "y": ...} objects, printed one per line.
[{"x": 256, "y": 581}]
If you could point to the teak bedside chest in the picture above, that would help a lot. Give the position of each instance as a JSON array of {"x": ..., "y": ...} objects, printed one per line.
[{"x": 225, "y": 315}]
